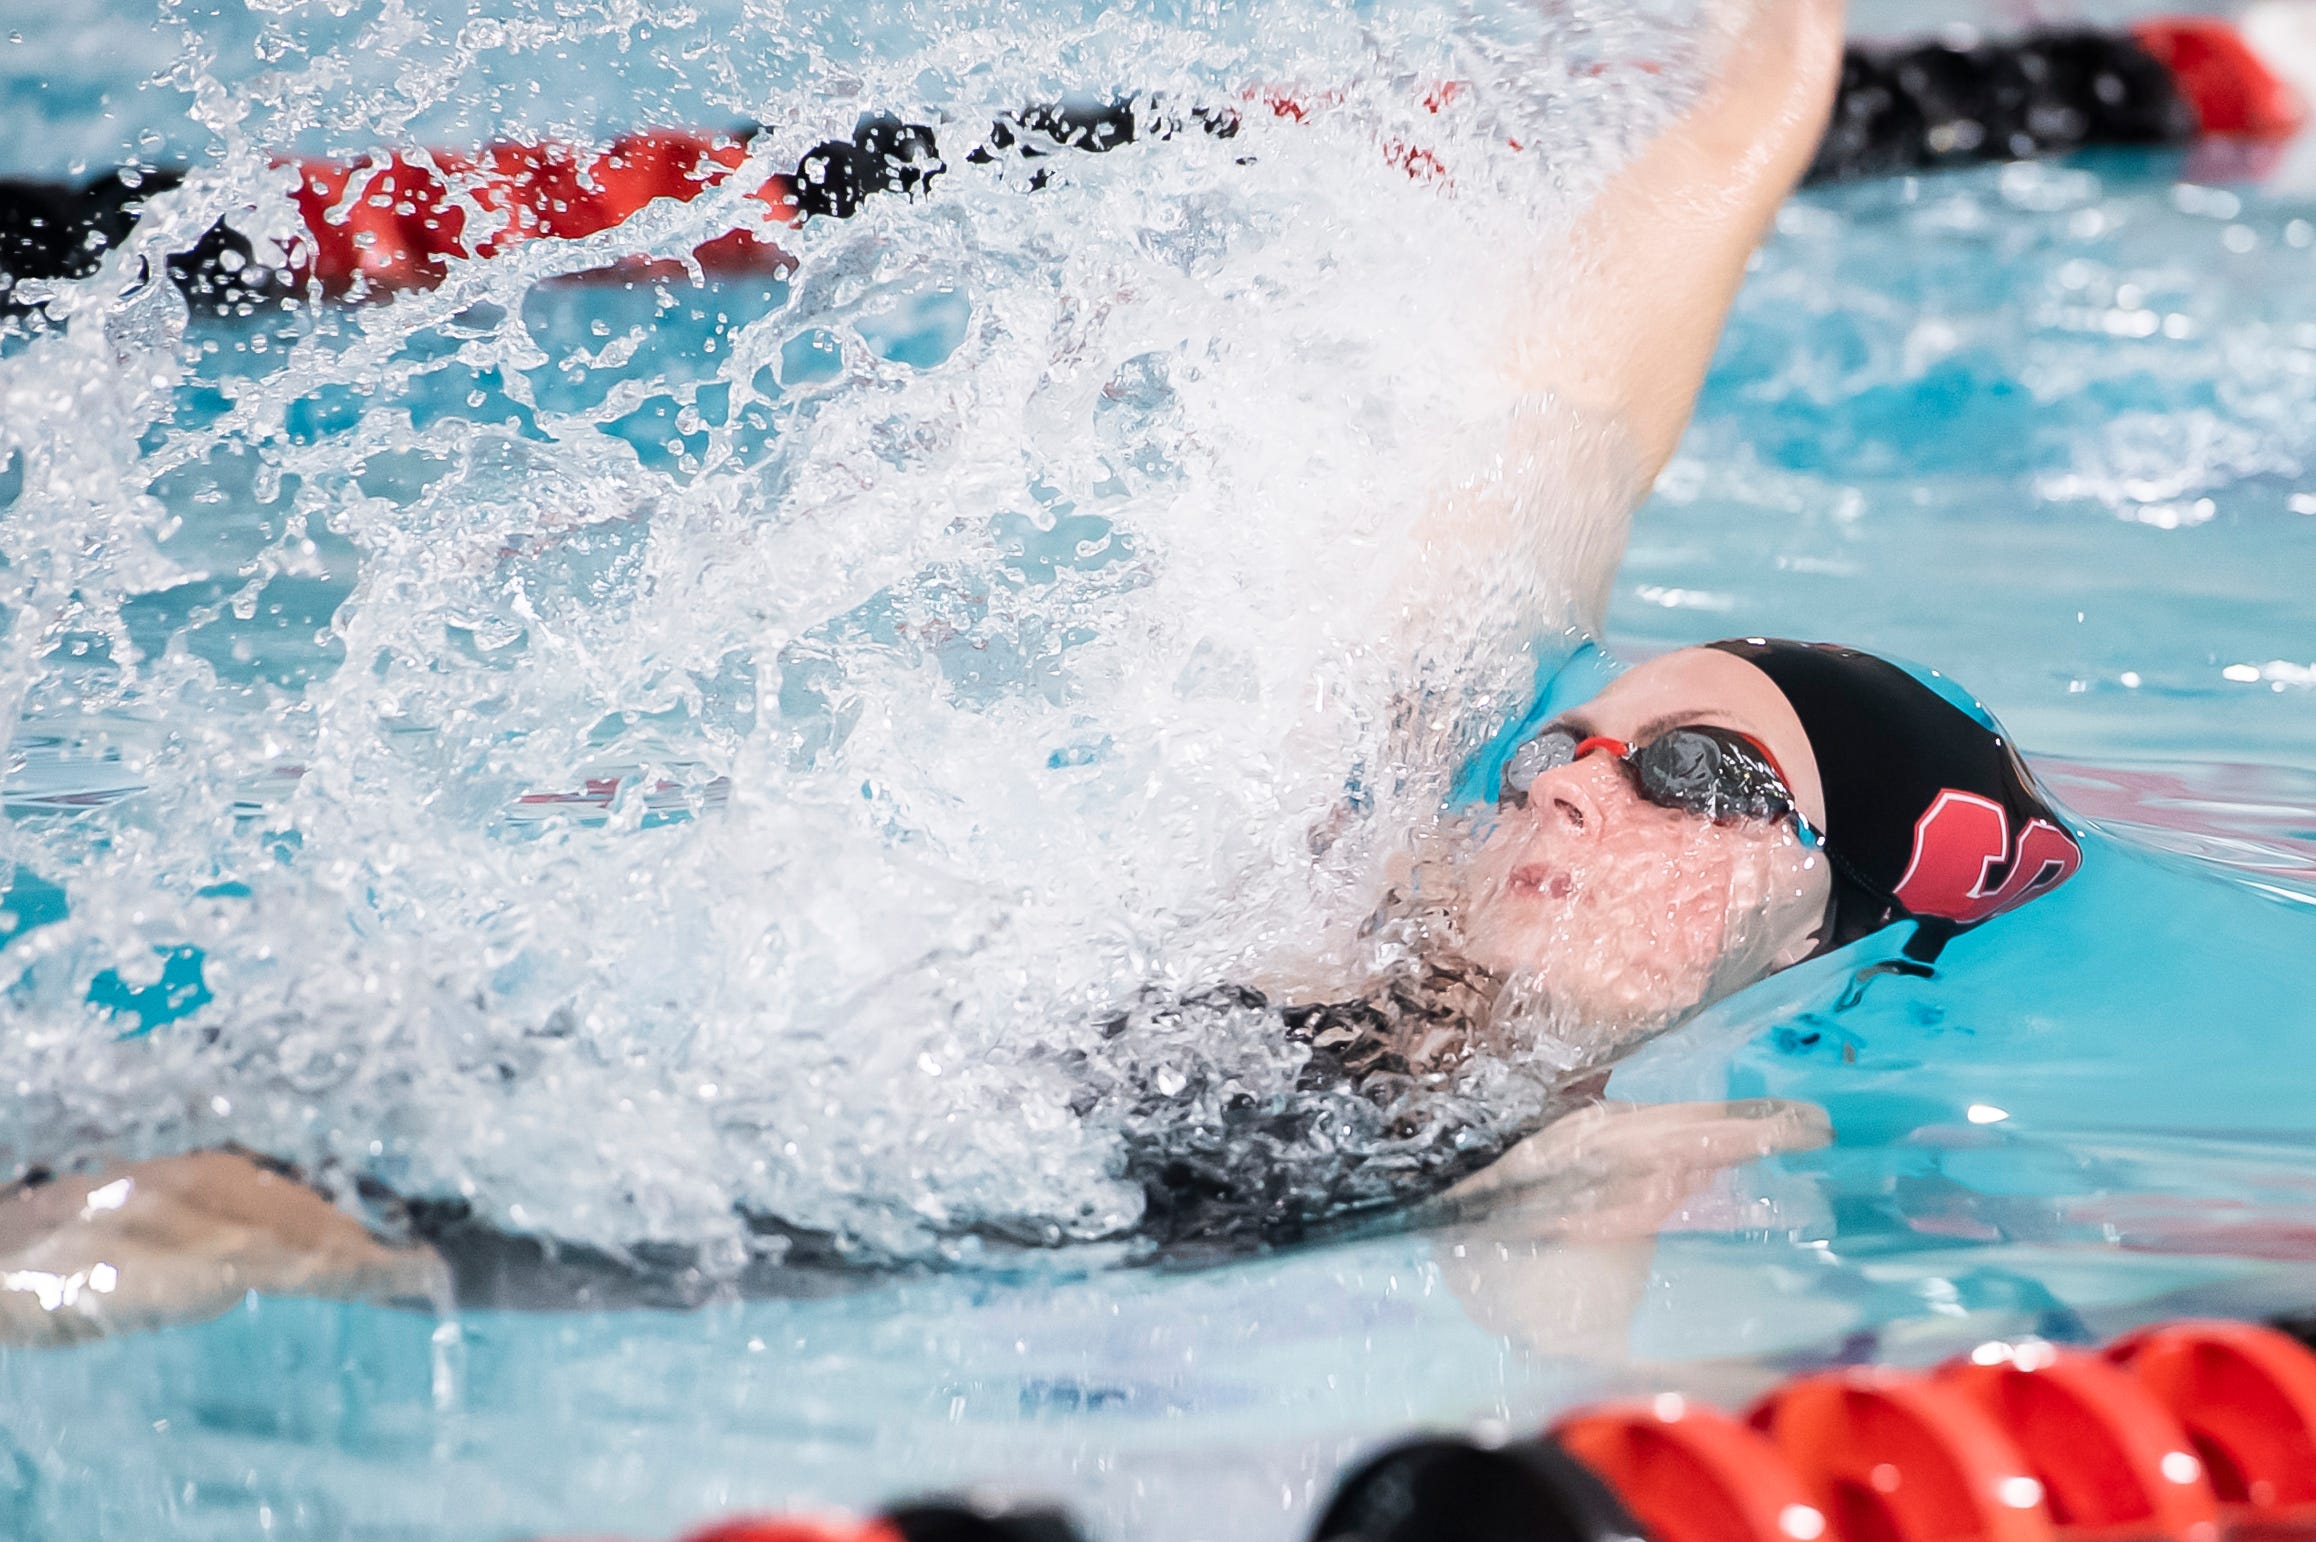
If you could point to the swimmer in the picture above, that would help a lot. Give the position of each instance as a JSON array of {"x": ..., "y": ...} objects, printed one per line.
[
  {"x": 1711, "y": 818},
  {"x": 1657, "y": 259}
]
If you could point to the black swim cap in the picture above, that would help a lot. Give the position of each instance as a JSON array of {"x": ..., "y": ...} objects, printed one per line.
[{"x": 1930, "y": 816}]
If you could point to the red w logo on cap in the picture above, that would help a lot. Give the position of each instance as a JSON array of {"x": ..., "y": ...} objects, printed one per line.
[{"x": 1965, "y": 867}]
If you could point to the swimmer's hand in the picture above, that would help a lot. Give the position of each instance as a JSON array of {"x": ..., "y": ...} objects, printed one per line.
[
  {"x": 182, "y": 1238},
  {"x": 1624, "y": 1169},
  {"x": 1551, "y": 1246}
]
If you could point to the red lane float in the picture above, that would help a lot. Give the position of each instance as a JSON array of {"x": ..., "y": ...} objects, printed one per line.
[
  {"x": 2111, "y": 1458},
  {"x": 2189, "y": 1432},
  {"x": 1691, "y": 1474},
  {"x": 789, "y": 1529},
  {"x": 1901, "y": 1458},
  {"x": 2230, "y": 87},
  {"x": 395, "y": 221},
  {"x": 926, "y": 1521},
  {"x": 2247, "y": 1398}
]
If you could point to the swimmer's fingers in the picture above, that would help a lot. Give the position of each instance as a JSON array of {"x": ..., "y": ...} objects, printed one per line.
[
  {"x": 1705, "y": 1137},
  {"x": 1612, "y": 1165},
  {"x": 179, "y": 1239},
  {"x": 1656, "y": 1167},
  {"x": 1551, "y": 1246}
]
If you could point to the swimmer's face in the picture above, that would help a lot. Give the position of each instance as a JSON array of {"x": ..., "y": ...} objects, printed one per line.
[{"x": 1628, "y": 913}]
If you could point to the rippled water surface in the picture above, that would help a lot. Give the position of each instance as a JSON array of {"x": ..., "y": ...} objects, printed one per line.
[{"x": 635, "y": 752}]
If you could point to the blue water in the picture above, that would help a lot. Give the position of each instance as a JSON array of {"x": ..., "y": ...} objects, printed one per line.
[{"x": 1952, "y": 419}]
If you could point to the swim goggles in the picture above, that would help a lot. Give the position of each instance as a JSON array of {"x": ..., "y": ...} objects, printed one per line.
[{"x": 1714, "y": 773}]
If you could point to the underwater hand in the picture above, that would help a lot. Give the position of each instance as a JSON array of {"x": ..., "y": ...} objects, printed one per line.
[
  {"x": 1550, "y": 1246},
  {"x": 1623, "y": 1169},
  {"x": 180, "y": 1238}
]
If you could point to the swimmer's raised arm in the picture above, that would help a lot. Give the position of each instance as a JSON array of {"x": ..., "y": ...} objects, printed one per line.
[
  {"x": 1659, "y": 254},
  {"x": 1621, "y": 318}
]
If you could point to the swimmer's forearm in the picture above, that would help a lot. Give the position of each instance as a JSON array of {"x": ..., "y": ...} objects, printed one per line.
[
  {"x": 179, "y": 1238},
  {"x": 1661, "y": 251}
]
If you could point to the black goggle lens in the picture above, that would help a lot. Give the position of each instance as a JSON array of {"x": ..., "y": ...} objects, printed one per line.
[
  {"x": 1709, "y": 772},
  {"x": 1547, "y": 751}
]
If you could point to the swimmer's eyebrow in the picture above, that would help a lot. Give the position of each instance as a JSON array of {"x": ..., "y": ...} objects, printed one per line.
[
  {"x": 1584, "y": 728},
  {"x": 1657, "y": 726}
]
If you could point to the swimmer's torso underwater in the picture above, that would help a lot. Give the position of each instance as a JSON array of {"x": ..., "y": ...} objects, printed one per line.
[{"x": 864, "y": 1019}]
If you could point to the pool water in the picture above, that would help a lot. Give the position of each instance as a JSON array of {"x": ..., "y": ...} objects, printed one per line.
[{"x": 2048, "y": 428}]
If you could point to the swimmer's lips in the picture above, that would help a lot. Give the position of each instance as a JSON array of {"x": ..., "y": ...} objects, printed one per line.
[{"x": 1538, "y": 881}]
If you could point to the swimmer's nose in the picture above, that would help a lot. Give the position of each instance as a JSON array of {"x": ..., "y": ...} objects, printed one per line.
[{"x": 1565, "y": 803}]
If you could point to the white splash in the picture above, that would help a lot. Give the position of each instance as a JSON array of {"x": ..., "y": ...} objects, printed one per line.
[{"x": 626, "y": 756}]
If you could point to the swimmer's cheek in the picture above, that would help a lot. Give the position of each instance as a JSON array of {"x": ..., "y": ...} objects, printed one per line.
[{"x": 180, "y": 1239}]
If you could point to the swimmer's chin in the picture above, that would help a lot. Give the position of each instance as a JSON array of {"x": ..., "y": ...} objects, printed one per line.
[
  {"x": 1522, "y": 935},
  {"x": 1519, "y": 923}
]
